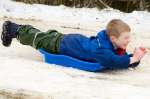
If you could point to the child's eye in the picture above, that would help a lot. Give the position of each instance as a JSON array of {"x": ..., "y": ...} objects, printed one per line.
[{"x": 127, "y": 37}]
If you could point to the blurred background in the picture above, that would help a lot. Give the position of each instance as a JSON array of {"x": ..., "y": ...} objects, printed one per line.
[{"x": 123, "y": 5}]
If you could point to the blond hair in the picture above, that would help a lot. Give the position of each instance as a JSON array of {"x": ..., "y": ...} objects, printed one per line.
[{"x": 116, "y": 26}]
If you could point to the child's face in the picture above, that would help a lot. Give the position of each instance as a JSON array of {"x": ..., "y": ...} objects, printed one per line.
[{"x": 122, "y": 41}]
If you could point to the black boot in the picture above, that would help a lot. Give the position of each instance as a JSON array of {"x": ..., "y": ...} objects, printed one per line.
[{"x": 9, "y": 31}]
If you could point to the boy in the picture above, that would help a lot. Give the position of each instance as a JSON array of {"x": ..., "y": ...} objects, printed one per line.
[{"x": 108, "y": 48}]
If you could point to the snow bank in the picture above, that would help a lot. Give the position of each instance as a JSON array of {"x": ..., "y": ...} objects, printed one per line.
[{"x": 74, "y": 16}]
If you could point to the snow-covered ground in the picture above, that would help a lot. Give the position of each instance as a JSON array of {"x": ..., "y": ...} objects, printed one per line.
[{"x": 23, "y": 74}]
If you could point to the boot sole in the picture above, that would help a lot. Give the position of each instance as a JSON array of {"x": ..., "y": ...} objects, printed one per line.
[{"x": 4, "y": 36}]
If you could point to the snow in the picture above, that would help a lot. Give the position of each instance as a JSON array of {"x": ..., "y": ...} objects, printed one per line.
[{"x": 22, "y": 67}]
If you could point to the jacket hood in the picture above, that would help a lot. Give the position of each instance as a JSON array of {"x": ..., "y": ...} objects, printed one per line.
[{"x": 104, "y": 41}]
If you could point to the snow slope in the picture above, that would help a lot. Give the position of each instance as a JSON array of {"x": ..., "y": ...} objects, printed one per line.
[{"x": 24, "y": 74}]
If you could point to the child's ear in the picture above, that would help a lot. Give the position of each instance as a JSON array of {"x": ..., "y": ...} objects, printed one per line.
[{"x": 113, "y": 38}]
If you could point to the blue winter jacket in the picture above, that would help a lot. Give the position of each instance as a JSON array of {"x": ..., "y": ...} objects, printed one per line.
[{"x": 94, "y": 49}]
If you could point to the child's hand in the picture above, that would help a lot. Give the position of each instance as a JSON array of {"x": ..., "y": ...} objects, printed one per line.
[{"x": 139, "y": 53}]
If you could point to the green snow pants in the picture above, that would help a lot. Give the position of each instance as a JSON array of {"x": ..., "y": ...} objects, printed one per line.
[{"x": 49, "y": 41}]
